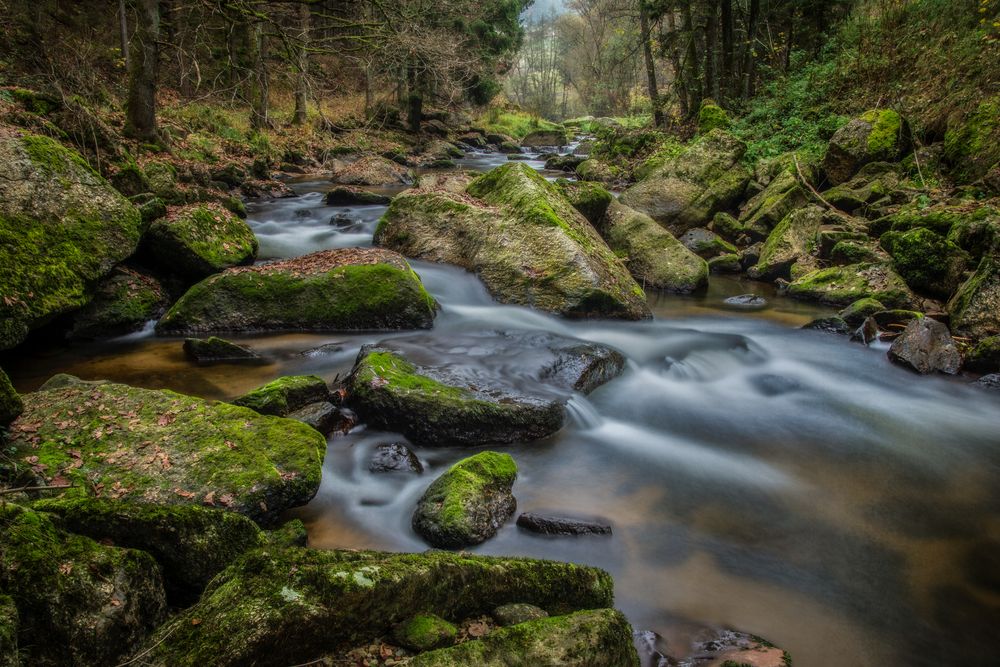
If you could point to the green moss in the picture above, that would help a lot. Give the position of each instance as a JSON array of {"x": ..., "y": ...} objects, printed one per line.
[
  {"x": 590, "y": 199},
  {"x": 121, "y": 304},
  {"x": 284, "y": 395},
  {"x": 10, "y": 402},
  {"x": 843, "y": 285},
  {"x": 424, "y": 632},
  {"x": 711, "y": 116},
  {"x": 52, "y": 156},
  {"x": 200, "y": 240},
  {"x": 291, "y": 534},
  {"x": 857, "y": 312},
  {"x": 9, "y": 625},
  {"x": 927, "y": 261},
  {"x": 972, "y": 144},
  {"x": 887, "y": 128},
  {"x": 975, "y": 307}
]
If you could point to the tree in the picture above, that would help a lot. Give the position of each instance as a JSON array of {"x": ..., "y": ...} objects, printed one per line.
[{"x": 140, "y": 110}]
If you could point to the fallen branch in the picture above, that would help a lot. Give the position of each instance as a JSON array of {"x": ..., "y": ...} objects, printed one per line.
[
  {"x": 148, "y": 650},
  {"x": 815, "y": 191},
  {"x": 35, "y": 488}
]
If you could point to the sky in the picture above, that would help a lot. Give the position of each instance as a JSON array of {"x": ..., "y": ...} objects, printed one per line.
[{"x": 541, "y": 7}]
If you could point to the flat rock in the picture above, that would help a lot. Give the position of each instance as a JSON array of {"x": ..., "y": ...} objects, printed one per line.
[
  {"x": 215, "y": 350},
  {"x": 285, "y": 395},
  {"x": 557, "y": 525},
  {"x": 746, "y": 301}
]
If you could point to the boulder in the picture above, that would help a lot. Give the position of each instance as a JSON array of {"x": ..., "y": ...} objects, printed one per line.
[
  {"x": 557, "y": 525},
  {"x": 333, "y": 290},
  {"x": 323, "y": 416},
  {"x": 272, "y": 608},
  {"x": 196, "y": 241},
  {"x": 545, "y": 138},
  {"x": 783, "y": 194},
  {"x": 985, "y": 356},
  {"x": 192, "y": 544},
  {"x": 975, "y": 307},
  {"x": 215, "y": 350},
  {"x": 394, "y": 457},
  {"x": 121, "y": 442},
  {"x": 926, "y": 346},
  {"x": 653, "y": 255},
  {"x": 78, "y": 602},
  {"x": 564, "y": 162},
  {"x": 875, "y": 136},
  {"x": 518, "y": 612},
  {"x": 65, "y": 222},
  {"x": 927, "y": 261},
  {"x": 597, "y": 638},
  {"x": 373, "y": 170},
  {"x": 690, "y": 188},
  {"x": 856, "y": 252},
  {"x": 725, "y": 264},
  {"x": 523, "y": 239},
  {"x": 991, "y": 381},
  {"x": 746, "y": 302},
  {"x": 468, "y": 503},
  {"x": 348, "y": 196},
  {"x": 706, "y": 244},
  {"x": 873, "y": 185},
  {"x": 977, "y": 232},
  {"x": 712, "y": 117},
  {"x": 791, "y": 242},
  {"x": 599, "y": 171},
  {"x": 284, "y": 395},
  {"x": 834, "y": 325},
  {"x": 590, "y": 199},
  {"x": 860, "y": 310},
  {"x": 424, "y": 632},
  {"x": 123, "y": 302},
  {"x": 843, "y": 285},
  {"x": 11, "y": 404}
]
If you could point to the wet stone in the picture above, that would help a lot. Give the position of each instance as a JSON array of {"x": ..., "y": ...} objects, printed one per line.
[
  {"x": 991, "y": 381},
  {"x": 322, "y": 416},
  {"x": 556, "y": 525},
  {"x": 394, "y": 457},
  {"x": 746, "y": 301},
  {"x": 214, "y": 350},
  {"x": 833, "y": 325}
]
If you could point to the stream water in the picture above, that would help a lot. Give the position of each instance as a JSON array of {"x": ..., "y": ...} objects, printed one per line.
[{"x": 783, "y": 482}]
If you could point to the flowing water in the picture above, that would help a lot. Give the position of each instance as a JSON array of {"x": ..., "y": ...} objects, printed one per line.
[{"x": 783, "y": 482}]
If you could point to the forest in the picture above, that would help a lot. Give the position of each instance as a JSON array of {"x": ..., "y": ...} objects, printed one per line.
[{"x": 503, "y": 333}]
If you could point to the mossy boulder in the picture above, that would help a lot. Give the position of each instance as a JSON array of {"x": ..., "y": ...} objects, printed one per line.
[
  {"x": 843, "y": 285},
  {"x": 873, "y": 186},
  {"x": 524, "y": 240},
  {"x": 876, "y": 136},
  {"x": 350, "y": 196},
  {"x": 927, "y": 261},
  {"x": 860, "y": 310},
  {"x": 62, "y": 229},
  {"x": 975, "y": 308},
  {"x": 792, "y": 241},
  {"x": 706, "y": 243},
  {"x": 977, "y": 232},
  {"x": 729, "y": 263},
  {"x": 712, "y": 117},
  {"x": 124, "y": 302},
  {"x": 424, "y": 632},
  {"x": 78, "y": 602},
  {"x": 850, "y": 251},
  {"x": 213, "y": 350},
  {"x": 373, "y": 170},
  {"x": 590, "y": 199},
  {"x": 564, "y": 162},
  {"x": 985, "y": 356},
  {"x": 468, "y": 503},
  {"x": 194, "y": 242},
  {"x": 653, "y": 255},
  {"x": 783, "y": 194},
  {"x": 596, "y": 638},
  {"x": 162, "y": 178},
  {"x": 285, "y": 395},
  {"x": 972, "y": 142},
  {"x": 543, "y": 138},
  {"x": 595, "y": 170},
  {"x": 192, "y": 544},
  {"x": 333, "y": 290},
  {"x": 273, "y": 606},
  {"x": 121, "y": 442},
  {"x": 10, "y": 401},
  {"x": 690, "y": 188}
]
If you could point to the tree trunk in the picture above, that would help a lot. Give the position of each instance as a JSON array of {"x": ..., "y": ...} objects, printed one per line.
[
  {"x": 680, "y": 83},
  {"x": 647, "y": 54},
  {"x": 727, "y": 73},
  {"x": 692, "y": 60},
  {"x": 302, "y": 77},
  {"x": 140, "y": 112},
  {"x": 711, "y": 49},
  {"x": 123, "y": 28},
  {"x": 414, "y": 102},
  {"x": 261, "y": 87},
  {"x": 748, "y": 49}
]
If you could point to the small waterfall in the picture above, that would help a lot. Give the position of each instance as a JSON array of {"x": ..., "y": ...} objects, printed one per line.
[{"x": 583, "y": 414}]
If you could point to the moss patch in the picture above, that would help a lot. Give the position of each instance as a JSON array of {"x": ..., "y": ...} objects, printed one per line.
[
  {"x": 10, "y": 402},
  {"x": 424, "y": 632},
  {"x": 197, "y": 241},
  {"x": 843, "y": 285},
  {"x": 285, "y": 395}
]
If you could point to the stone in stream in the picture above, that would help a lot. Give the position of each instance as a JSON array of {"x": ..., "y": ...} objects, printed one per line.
[
  {"x": 746, "y": 301},
  {"x": 285, "y": 395},
  {"x": 323, "y": 416},
  {"x": 518, "y": 612},
  {"x": 833, "y": 325},
  {"x": 373, "y": 170},
  {"x": 215, "y": 350},
  {"x": 926, "y": 346},
  {"x": 394, "y": 457},
  {"x": 856, "y": 313},
  {"x": 721, "y": 647},
  {"x": 843, "y": 285},
  {"x": 867, "y": 333},
  {"x": 128, "y": 443},
  {"x": 123, "y": 302},
  {"x": 523, "y": 239},
  {"x": 563, "y": 162},
  {"x": 468, "y": 503},
  {"x": 272, "y": 608},
  {"x": 436, "y": 395},
  {"x": 557, "y": 525},
  {"x": 64, "y": 228},
  {"x": 332, "y": 290},
  {"x": 350, "y": 196},
  {"x": 991, "y": 381},
  {"x": 984, "y": 357},
  {"x": 193, "y": 242}
]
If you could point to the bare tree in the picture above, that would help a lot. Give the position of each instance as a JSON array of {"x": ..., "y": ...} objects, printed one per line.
[{"x": 140, "y": 116}]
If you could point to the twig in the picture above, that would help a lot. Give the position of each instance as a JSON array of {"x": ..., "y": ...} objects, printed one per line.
[
  {"x": 162, "y": 639},
  {"x": 311, "y": 662},
  {"x": 35, "y": 488},
  {"x": 814, "y": 191},
  {"x": 916, "y": 158}
]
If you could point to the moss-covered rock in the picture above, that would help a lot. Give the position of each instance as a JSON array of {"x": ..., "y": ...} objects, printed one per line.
[
  {"x": 523, "y": 238},
  {"x": 285, "y": 395},
  {"x": 10, "y": 401},
  {"x": 793, "y": 240},
  {"x": 518, "y": 612},
  {"x": 851, "y": 251},
  {"x": 875, "y": 136},
  {"x": 213, "y": 350},
  {"x": 273, "y": 607},
  {"x": 590, "y": 199},
  {"x": 726, "y": 226},
  {"x": 192, "y": 544},
  {"x": 782, "y": 195},
  {"x": 373, "y": 170},
  {"x": 725, "y": 264},
  {"x": 712, "y": 117},
  {"x": 78, "y": 602},
  {"x": 599, "y": 171},
  {"x": 332, "y": 290},
  {"x": 975, "y": 308},
  {"x": 690, "y": 188},
  {"x": 468, "y": 503},
  {"x": 124, "y": 302},
  {"x": 972, "y": 143},
  {"x": 653, "y": 255},
  {"x": 196, "y": 241},
  {"x": 292, "y": 533},
  {"x": 843, "y": 285},
  {"x": 349, "y": 196},
  {"x": 860, "y": 310},
  {"x": 121, "y": 442},
  {"x": 564, "y": 162},
  {"x": 872, "y": 186},
  {"x": 543, "y": 138},
  {"x": 9, "y": 625},
  {"x": 985, "y": 356},
  {"x": 424, "y": 632},
  {"x": 596, "y": 638},
  {"x": 927, "y": 261},
  {"x": 62, "y": 221},
  {"x": 706, "y": 243}
]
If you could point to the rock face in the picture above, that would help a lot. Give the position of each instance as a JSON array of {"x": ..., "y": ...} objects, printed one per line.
[
  {"x": 791, "y": 242},
  {"x": 522, "y": 237},
  {"x": 122, "y": 303},
  {"x": 655, "y": 256},
  {"x": 687, "y": 190},
  {"x": 159, "y": 446},
  {"x": 926, "y": 347},
  {"x": 78, "y": 602},
  {"x": 286, "y": 394},
  {"x": 975, "y": 308},
  {"x": 65, "y": 222},
  {"x": 410, "y": 385},
  {"x": 342, "y": 290},
  {"x": 10, "y": 401},
  {"x": 214, "y": 350},
  {"x": 876, "y": 136},
  {"x": 373, "y": 170},
  {"x": 598, "y": 638},
  {"x": 843, "y": 285},
  {"x": 272, "y": 608},
  {"x": 196, "y": 241},
  {"x": 467, "y": 504}
]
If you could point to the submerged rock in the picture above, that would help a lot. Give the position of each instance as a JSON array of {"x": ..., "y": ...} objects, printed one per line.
[
  {"x": 926, "y": 346},
  {"x": 394, "y": 457},
  {"x": 332, "y": 290},
  {"x": 746, "y": 301},
  {"x": 468, "y": 503},
  {"x": 348, "y": 196},
  {"x": 215, "y": 350},
  {"x": 843, "y": 285},
  {"x": 284, "y": 395},
  {"x": 523, "y": 239},
  {"x": 991, "y": 381},
  {"x": 556, "y": 525},
  {"x": 875, "y": 136},
  {"x": 373, "y": 170},
  {"x": 124, "y": 302},
  {"x": 123, "y": 442},
  {"x": 196, "y": 241}
]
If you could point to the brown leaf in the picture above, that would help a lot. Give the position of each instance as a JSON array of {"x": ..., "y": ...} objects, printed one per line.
[
  {"x": 66, "y": 568},
  {"x": 184, "y": 494},
  {"x": 209, "y": 498},
  {"x": 477, "y": 629}
]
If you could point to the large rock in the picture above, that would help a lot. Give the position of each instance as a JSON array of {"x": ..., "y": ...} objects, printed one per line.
[
  {"x": 706, "y": 243},
  {"x": 926, "y": 346},
  {"x": 653, "y": 255},
  {"x": 522, "y": 238},
  {"x": 792, "y": 241},
  {"x": 285, "y": 395},
  {"x": 975, "y": 308},
  {"x": 122, "y": 442},
  {"x": 985, "y": 356},
  {"x": 596, "y": 638},
  {"x": 78, "y": 602},
  {"x": 468, "y": 503},
  {"x": 872, "y": 186},
  {"x": 62, "y": 229},
  {"x": 420, "y": 387},
  {"x": 11, "y": 404},
  {"x": 124, "y": 302},
  {"x": 927, "y": 261},
  {"x": 331, "y": 290},
  {"x": 279, "y": 607},
  {"x": 373, "y": 170},
  {"x": 782, "y": 194},
  {"x": 590, "y": 199},
  {"x": 196, "y": 241},
  {"x": 875, "y": 136},
  {"x": 213, "y": 350},
  {"x": 687, "y": 190},
  {"x": 843, "y": 285}
]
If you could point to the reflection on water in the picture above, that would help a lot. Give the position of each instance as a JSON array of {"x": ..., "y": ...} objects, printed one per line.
[{"x": 785, "y": 482}]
